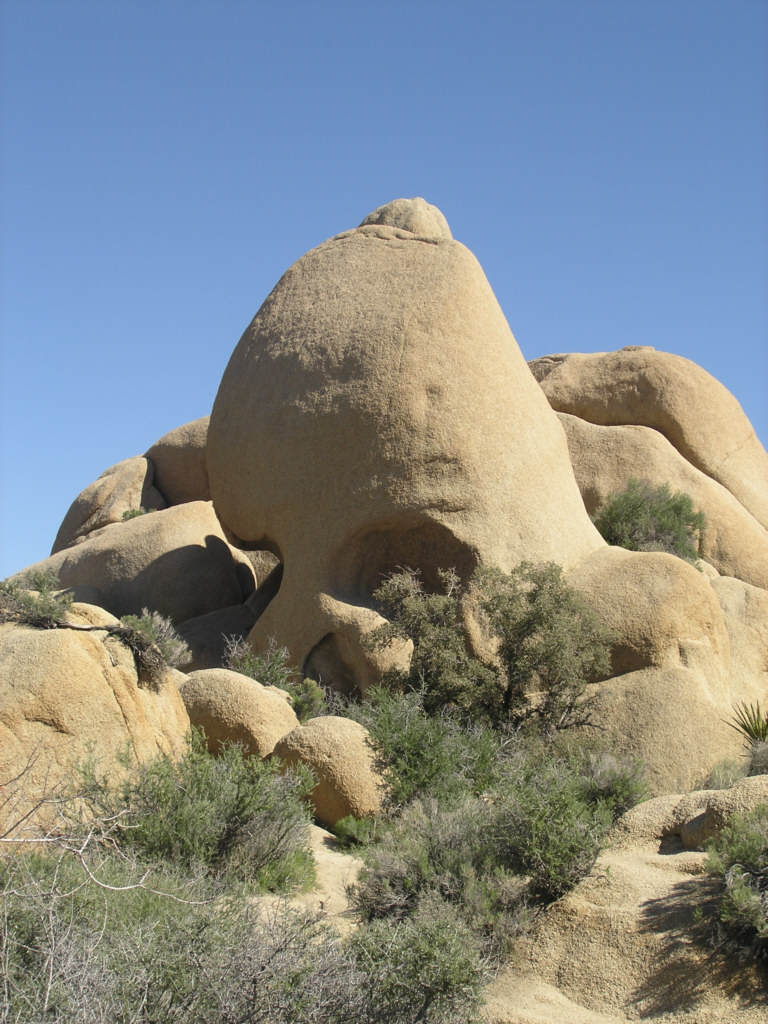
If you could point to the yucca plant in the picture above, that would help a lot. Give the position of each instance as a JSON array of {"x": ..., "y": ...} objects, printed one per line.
[{"x": 751, "y": 722}]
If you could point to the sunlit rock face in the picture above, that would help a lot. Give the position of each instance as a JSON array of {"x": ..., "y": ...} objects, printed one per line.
[{"x": 377, "y": 413}]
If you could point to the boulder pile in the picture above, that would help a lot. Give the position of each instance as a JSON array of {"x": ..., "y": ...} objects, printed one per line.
[{"x": 377, "y": 413}]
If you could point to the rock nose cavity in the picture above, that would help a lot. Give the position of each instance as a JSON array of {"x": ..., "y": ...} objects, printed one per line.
[{"x": 414, "y": 215}]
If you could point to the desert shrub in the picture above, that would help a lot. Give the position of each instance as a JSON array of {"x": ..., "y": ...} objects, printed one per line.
[
  {"x": 272, "y": 669},
  {"x": 424, "y": 968},
  {"x": 550, "y": 645},
  {"x": 351, "y": 831},
  {"x": 227, "y": 817},
  {"x": 153, "y": 640},
  {"x": 610, "y": 781},
  {"x": 740, "y": 855},
  {"x": 548, "y": 829},
  {"x": 77, "y": 950},
  {"x": 34, "y": 599},
  {"x": 647, "y": 518},
  {"x": 447, "y": 852},
  {"x": 426, "y": 755},
  {"x": 726, "y": 773},
  {"x": 442, "y": 669},
  {"x": 134, "y": 513}
]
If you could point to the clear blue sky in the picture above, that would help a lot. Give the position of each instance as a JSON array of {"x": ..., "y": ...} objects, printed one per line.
[{"x": 164, "y": 161}]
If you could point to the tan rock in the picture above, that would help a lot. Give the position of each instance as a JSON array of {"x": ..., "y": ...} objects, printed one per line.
[
  {"x": 631, "y": 942},
  {"x": 232, "y": 708},
  {"x": 207, "y": 635},
  {"x": 639, "y": 385},
  {"x": 692, "y": 818},
  {"x": 745, "y": 613},
  {"x": 341, "y": 755},
  {"x": 660, "y": 609},
  {"x": 175, "y": 561},
  {"x": 179, "y": 460},
  {"x": 414, "y": 215},
  {"x": 378, "y": 413},
  {"x": 606, "y": 458},
  {"x": 121, "y": 488},
  {"x": 66, "y": 695}
]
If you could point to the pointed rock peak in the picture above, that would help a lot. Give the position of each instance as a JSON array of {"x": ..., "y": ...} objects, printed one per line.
[{"x": 415, "y": 215}]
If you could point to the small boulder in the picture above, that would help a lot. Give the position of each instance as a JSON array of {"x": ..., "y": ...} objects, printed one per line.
[
  {"x": 125, "y": 487},
  {"x": 181, "y": 473},
  {"x": 341, "y": 755},
  {"x": 232, "y": 708}
]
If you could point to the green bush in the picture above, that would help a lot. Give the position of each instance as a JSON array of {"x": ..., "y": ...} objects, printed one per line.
[
  {"x": 442, "y": 669},
  {"x": 154, "y": 642},
  {"x": 426, "y": 755},
  {"x": 647, "y": 518},
  {"x": 120, "y": 950},
  {"x": 740, "y": 855},
  {"x": 272, "y": 669},
  {"x": 447, "y": 852},
  {"x": 551, "y": 645},
  {"x": 425, "y": 968},
  {"x": 134, "y": 513},
  {"x": 549, "y": 830},
  {"x": 34, "y": 599},
  {"x": 227, "y": 817}
]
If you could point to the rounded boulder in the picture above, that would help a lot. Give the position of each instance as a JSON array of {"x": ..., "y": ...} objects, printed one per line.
[
  {"x": 342, "y": 757},
  {"x": 232, "y": 708}
]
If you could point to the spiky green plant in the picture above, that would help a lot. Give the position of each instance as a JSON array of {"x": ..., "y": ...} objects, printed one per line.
[{"x": 751, "y": 722}]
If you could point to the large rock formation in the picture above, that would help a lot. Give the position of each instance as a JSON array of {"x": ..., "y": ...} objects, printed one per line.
[
  {"x": 68, "y": 695},
  {"x": 176, "y": 561},
  {"x": 378, "y": 413},
  {"x": 674, "y": 396}
]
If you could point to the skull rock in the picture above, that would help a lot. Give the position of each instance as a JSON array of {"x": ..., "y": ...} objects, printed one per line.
[{"x": 377, "y": 413}]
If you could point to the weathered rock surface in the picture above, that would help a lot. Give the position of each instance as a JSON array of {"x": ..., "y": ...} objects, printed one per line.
[
  {"x": 745, "y": 614},
  {"x": 66, "y": 694},
  {"x": 232, "y": 708},
  {"x": 639, "y": 385},
  {"x": 125, "y": 487},
  {"x": 605, "y": 458},
  {"x": 181, "y": 473},
  {"x": 378, "y": 413},
  {"x": 631, "y": 941},
  {"x": 341, "y": 755},
  {"x": 207, "y": 635},
  {"x": 175, "y": 561}
]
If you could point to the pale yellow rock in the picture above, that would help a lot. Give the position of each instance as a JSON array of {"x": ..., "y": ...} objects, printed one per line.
[
  {"x": 232, "y": 708},
  {"x": 340, "y": 753},
  {"x": 67, "y": 695},
  {"x": 175, "y": 561},
  {"x": 606, "y": 458},
  {"x": 121, "y": 488},
  {"x": 378, "y": 413},
  {"x": 180, "y": 466},
  {"x": 745, "y": 613},
  {"x": 660, "y": 610},
  {"x": 631, "y": 942},
  {"x": 692, "y": 818},
  {"x": 700, "y": 417},
  {"x": 414, "y": 215}
]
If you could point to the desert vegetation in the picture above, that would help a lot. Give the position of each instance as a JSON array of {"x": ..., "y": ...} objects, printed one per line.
[{"x": 647, "y": 518}]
